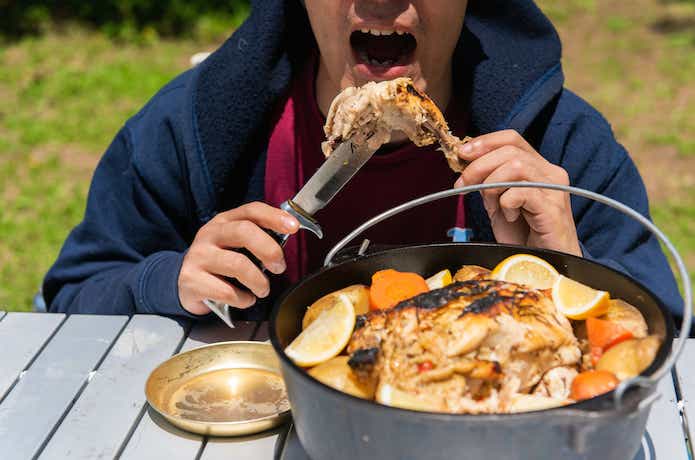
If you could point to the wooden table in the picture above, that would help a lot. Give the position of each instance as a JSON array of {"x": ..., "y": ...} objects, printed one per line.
[{"x": 73, "y": 387}]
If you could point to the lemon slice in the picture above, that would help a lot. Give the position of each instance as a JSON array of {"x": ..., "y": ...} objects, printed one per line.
[
  {"x": 526, "y": 269},
  {"x": 439, "y": 280},
  {"x": 578, "y": 301},
  {"x": 326, "y": 336}
]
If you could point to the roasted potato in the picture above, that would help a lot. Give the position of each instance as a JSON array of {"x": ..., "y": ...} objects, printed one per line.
[
  {"x": 337, "y": 373},
  {"x": 358, "y": 294},
  {"x": 629, "y": 317},
  {"x": 471, "y": 272},
  {"x": 629, "y": 358}
]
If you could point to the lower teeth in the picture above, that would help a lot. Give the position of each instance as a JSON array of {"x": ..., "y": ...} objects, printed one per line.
[
  {"x": 365, "y": 58},
  {"x": 385, "y": 63}
]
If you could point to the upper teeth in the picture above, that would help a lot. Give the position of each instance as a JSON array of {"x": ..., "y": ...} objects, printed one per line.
[{"x": 381, "y": 32}]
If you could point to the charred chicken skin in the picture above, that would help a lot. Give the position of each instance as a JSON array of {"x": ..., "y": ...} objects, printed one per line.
[
  {"x": 470, "y": 347},
  {"x": 370, "y": 113}
]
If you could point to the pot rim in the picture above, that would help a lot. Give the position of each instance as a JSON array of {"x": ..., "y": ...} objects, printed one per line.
[{"x": 575, "y": 409}]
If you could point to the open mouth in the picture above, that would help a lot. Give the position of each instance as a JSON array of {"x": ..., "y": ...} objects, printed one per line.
[{"x": 383, "y": 48}]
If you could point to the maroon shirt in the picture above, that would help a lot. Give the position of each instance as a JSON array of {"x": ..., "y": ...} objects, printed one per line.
[{"x": 394, "y": 175}]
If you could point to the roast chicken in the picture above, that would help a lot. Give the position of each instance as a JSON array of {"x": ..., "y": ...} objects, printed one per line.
[
  {"x": 475, "y": 346},
  {"x": 370, "y": 113}
]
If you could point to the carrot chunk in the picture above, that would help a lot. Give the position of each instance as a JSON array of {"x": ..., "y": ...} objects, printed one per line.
[
  {"x": 390, "y": 287},
  {"x": 604, "y": 334}
]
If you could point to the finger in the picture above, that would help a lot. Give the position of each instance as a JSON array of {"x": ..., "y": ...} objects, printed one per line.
[
  {"x": 235, "y": 265},
  {"x": 264, "y": 215},
  {"x": 219, "y": 290},
  {"x": 246, "y": 234},
  {"x": 481, "y": 145},
  {"x": 531, "y": 201},
  {"x": 511, "y": 171},
  {"x": 480, "y": 169}
]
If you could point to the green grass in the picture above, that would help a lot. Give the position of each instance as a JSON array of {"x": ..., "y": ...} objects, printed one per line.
[
  {"x": 676, "y": 217},
  {"x": 62, "y": 99},
  {"x": 64, "y": 95}
]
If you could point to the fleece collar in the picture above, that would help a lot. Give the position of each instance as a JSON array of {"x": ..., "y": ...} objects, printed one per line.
[{"x": 508, "y": 49}]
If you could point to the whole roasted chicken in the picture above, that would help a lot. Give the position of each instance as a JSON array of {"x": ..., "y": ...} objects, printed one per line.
[{"x": 475, "y": 346}]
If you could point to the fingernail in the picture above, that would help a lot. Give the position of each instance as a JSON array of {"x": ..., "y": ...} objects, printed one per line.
[
  {"x": 476, "y": 144},
  {"x": 466, "y": 148},
  {"x": 459, "y": 182},
  {"x": 277, "y": 267},
  {"x": 290, "y": 223}
]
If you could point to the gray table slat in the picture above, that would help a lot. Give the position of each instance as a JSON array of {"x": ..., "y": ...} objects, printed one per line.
[
  {"x": 102, "y": 418},
  {"x": 53, "y": 381},
  {"x": 258, "y": 447},
  {"x": 292, "y": 449},
  {"x": 664, "y": 424},
  {"x": 216, "y": 331},
  {"x": 21, "y": 336},
  {"x": 155, "y": 438},
  {"x": 686, "y": 380}
]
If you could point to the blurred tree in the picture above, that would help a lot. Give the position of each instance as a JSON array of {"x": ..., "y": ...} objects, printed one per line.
[{"x": 165, "y": 17}]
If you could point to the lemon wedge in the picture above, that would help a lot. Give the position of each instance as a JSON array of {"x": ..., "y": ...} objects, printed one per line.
[
  {"x": 439, "y": 280},
  {"x": 578, "y": 301},
  {"x": 526, "y": 269},
  {"x": 326, "y": 336}
]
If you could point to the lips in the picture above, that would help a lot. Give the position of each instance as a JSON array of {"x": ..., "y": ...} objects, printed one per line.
[{"x": 383, "y": 48}]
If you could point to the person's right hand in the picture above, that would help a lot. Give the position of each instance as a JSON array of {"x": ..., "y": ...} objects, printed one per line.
[{"x": 213, "y": 257}]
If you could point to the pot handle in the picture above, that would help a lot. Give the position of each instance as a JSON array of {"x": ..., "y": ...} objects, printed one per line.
[{"x": 638, "y": 381}]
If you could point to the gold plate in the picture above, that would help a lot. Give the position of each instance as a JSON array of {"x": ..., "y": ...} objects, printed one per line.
[{"x": 222, "y": 389}]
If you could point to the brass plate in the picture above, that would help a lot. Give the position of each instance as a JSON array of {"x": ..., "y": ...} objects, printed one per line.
[{"x": 222, "y": 389}]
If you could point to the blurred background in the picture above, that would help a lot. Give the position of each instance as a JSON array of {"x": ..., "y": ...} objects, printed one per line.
[{"x": 71, "y": 72}]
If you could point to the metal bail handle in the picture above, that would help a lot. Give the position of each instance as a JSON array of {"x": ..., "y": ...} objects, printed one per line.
[{"x": 682, "y": 271}]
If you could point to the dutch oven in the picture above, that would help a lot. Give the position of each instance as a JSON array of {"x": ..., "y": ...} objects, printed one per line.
[{"x": 334, "y": 425}]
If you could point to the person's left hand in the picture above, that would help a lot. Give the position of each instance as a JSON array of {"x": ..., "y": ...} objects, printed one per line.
[{"x": 526, "y": 216}]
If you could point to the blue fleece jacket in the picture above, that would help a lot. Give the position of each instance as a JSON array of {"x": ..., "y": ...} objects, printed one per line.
[{"x": 198, "y": 148}]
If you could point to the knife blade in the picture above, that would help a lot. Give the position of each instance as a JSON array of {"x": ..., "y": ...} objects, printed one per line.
[
  {"x": 316, "y": 193},
  {"x": 332, "y": 176}
]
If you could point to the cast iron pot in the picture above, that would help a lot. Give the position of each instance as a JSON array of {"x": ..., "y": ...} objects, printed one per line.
[{"x": 334, "y": 425}]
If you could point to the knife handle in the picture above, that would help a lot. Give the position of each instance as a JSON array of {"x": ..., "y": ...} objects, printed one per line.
[{"x": 306, "y": 222}]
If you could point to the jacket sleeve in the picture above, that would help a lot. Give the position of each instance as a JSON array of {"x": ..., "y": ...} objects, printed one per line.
[
  {"x": 606, "y": 235},
  {"x": 125, "y": 256}
]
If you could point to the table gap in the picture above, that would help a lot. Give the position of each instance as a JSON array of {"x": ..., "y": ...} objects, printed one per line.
[
  {"x": 201, "y": 449},
  {"x": 680, "y": 402},
  {"x": 33, "y": 358},
  {"x": 138, "y": 419},
  {"x": 80, "y": 391}
]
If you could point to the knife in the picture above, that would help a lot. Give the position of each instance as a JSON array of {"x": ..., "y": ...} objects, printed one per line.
[{"x": 327, "y": 181}]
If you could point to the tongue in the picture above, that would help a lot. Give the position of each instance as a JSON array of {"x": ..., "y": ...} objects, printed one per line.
[{"x": 384, "y": 48}]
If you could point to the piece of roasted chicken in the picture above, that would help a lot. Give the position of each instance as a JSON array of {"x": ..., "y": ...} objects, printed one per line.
[
  {"x": 370, "y": 113},
  {"x": 471, "y": 347}
]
